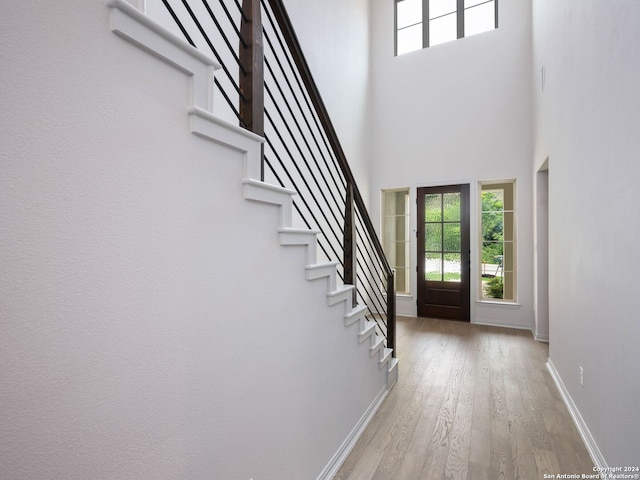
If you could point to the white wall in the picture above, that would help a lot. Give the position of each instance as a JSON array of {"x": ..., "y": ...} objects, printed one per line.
[
  {"x": 587, "y": 122},
  {"x": 458, "y": 113},
  {"x": 334, "y": 35},
  {"x": 150, "y": 324}
]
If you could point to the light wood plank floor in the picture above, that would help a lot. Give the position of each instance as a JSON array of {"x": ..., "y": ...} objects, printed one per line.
[{"x": 472, "y": 402}]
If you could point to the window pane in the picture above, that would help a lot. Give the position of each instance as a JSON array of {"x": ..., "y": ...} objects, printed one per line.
[
  {"x": 451, "y": 237},
  {"x": 493, "y": 200},
  {"x": 387, "y": 234},
  {"x": 394, "y": 202},
  {"x": 471, "y": 3},
  {"x": 451, "y": 207},
  {"x": 433, "y": 267},
  {"x": 402, "y": 280},
  {"x": 409, "y": 13},
  {"x": 507, "y": 261},
  {"x": 453, "y": 267},
  {"x": 493, "y": 288},
  {"x": 479, "y": 19},
  {"x": 410, "y": 39},
  {"x": 508, "y": 226},
  {"x": 400, "y": 254},
  {"x": 492, "y": 259},
  {"x": 432, "y": 208},
  {"x": 491, "y": 251},
  {"x": 437, "y": 8},
  {"x": 492, "y": 227},
  {"x": 401, "y": 228},
  {"x": 433, "y": 237},
  {"x": 443, "y": 29},
  {"x": 508, "y": 292}
]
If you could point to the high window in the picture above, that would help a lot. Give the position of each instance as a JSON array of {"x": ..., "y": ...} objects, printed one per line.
[
  {"x": 425, "y": 23},
  {"x": 498, "y": 241},
  {"x": 395, "y": 235}
]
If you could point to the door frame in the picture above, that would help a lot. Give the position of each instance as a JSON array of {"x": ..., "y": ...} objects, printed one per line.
[{"x": 466, "y": 188}]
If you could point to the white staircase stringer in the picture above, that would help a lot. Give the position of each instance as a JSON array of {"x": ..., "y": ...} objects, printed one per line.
[
  {"x": 303, "y": 237},
  {"x": 377, "y": 342},
  {"x": 342, "y": 293},
  {"x": 357, "y": 314},
  {"x": 258, "y": 191},
  {"x": 324, "y": 270},
  {"x": 367, "y": 329},
  {"x": 131, "y": 24},
  {"x": 135, "y": 27},
  {"x": 217, "y": 130}
]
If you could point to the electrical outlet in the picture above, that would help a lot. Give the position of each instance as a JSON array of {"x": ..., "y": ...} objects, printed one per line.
[{"x": 581, "y": 377}]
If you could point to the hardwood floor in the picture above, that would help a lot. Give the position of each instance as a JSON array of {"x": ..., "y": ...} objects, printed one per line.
[{"x": 472, "y": 402}]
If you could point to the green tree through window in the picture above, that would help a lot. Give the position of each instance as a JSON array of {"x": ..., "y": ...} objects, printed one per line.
[{"x": 497, "y": 241}]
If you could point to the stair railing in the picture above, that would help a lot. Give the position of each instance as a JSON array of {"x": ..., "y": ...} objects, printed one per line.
[{"x": 268, "y": 86}]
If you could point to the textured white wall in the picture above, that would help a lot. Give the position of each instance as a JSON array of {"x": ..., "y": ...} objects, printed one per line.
[
  {"x": 458, "y": 113},
  {"x": 150, "y": 324},
  {"x": 588, "y": 121}
]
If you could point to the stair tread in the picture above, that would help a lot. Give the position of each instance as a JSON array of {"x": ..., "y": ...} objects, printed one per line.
[
  {"x": 268, "y": 186},
  {"x": 376, "y": 344},
  {"x": 356, "y": 311},
  {"x": 298, "y": 231},
  {"x": 386, "y": 354},
  {"x": 369, "y": 329}
]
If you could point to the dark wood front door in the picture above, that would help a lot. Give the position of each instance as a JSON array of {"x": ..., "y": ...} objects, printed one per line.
[{"x": 443, "y": 252}]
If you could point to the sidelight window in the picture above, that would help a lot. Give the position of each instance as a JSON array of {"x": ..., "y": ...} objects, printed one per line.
[
  {"x": 498, "y": 241},
  {"x": 395, "y": 236}
]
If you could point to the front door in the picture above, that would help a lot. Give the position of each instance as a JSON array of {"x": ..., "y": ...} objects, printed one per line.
[{"x": 443, "y": 252}]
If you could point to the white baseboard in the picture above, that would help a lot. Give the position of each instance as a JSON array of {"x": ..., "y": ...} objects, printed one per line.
[
  {"x": 345, "y": 449},
  {"x": 488, "y": 323},
  {"x": 541, "y": 338},
  {"x": 583, "y": 430}
]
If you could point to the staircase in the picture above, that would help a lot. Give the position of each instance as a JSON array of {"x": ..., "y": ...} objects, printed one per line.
[{"x": 134, "y": 26}]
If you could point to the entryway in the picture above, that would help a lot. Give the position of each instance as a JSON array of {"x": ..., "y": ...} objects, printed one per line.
[{"x": 443, "y": 252}]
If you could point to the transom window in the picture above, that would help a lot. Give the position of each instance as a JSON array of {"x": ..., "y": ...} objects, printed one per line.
[{"x": 425, "y": 23}]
